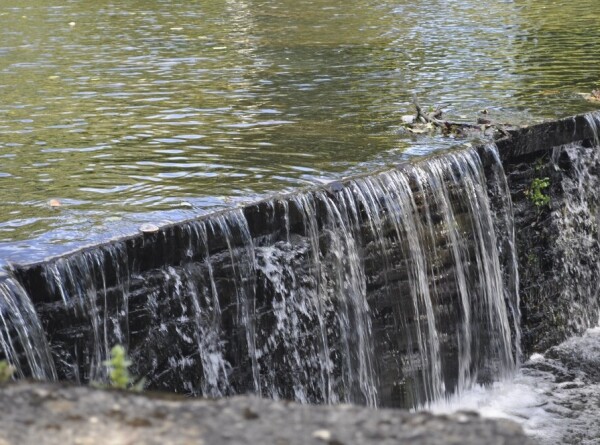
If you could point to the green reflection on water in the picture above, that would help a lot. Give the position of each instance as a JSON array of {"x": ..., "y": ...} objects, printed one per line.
[{"x": 120, "y": 108}]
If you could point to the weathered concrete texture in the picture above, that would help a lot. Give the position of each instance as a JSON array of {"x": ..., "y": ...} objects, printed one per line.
[
  {"x": 541, "y": 137},
  {"x": 559, "y": 243},
  {"x": 53, "y": 414}
]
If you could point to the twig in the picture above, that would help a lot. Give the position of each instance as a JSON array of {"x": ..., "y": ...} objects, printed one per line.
[{"x": 448, "y": 127}]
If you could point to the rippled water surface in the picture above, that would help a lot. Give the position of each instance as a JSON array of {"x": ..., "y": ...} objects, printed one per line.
[{"x": 158, "y": 110}]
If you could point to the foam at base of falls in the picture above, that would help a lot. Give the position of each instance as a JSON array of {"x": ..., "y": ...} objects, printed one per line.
[{"x": 555, "y": 396}]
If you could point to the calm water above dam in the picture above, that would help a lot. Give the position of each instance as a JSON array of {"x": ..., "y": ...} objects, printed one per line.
[{"x": 121, "y": 109}]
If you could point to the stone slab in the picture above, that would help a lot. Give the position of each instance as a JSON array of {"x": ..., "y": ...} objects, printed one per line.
[{"x": 61, "y": 414}]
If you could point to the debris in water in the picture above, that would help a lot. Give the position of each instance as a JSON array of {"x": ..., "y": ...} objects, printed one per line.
[
  {"x": 594, "y": 96},
  {"x": 54, "y": 203},
  {"x": 148, "y": 228},
  {"x": 429, "y": 122}
]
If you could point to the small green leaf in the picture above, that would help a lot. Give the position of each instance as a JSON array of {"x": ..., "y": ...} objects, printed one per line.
[
  {"x": 6, "y": 371},
  {"x": 118, "y": 370}
]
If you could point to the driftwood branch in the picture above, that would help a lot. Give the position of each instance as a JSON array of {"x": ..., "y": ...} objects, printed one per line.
[
  {"x": 425, "y": 118},
  {"x": 435, "y": 120}
]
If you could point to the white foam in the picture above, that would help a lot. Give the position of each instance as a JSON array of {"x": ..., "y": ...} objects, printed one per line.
[{"x": 546, "y": 409}]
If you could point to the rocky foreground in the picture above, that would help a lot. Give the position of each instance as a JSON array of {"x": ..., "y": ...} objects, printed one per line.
[{"x": 41, "y": 413}]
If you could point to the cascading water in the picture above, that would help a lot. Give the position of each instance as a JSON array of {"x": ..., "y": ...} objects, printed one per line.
[
  {"x": 102, "y": 313},
  {"x": 555, "y": 395},
  {"x": 22, "y": 339},
  {"x": 434, "y": 214},
  {"x": 383, "y": 290},
  {"x": 593, "y": 121},
  {"x": 504, "y": 226}
]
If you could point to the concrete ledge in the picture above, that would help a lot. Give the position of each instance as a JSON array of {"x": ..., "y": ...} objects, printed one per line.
[
  {"x": 59, "y": 414},
  {"x": 544, "y": 136},
  {"x": 522, "y": 142}
]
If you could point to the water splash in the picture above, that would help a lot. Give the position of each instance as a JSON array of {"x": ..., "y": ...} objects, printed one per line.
[
  {"x": 577, "y": 230},
  {"x": 318, "y": 289},
  {"x": 553, "y": 396},
  {"x": 593, "y": 120}
]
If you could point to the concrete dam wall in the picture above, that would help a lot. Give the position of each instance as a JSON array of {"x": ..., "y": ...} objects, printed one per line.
[{"x": 389, "y": 289}]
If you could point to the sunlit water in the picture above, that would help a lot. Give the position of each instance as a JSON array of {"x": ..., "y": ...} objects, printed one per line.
[
  {"x": 136, "y": 111},
  {"x": 555, "y": 397}
]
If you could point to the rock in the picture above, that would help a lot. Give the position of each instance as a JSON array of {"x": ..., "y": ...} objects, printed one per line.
[
  {"x": 324, "y": 435},
  {"x": 54, "y": 203},
  {"x": 93, "y": 416},
  {"x": 148, "y": 228}
]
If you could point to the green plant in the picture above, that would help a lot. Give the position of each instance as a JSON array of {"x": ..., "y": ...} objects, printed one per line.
[
  {"x": 536, "y": 192},
  {"x": 118, "y": 370},
  {"x": 6, "y": 371}
]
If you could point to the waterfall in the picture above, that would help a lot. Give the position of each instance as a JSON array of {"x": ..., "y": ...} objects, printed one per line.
[
  {"x": 22, "y": 339},
  {"x": 577, "y": 239},
  {"x": 555, "y": 391},
  {"x": 90, "y": 304},
  {"x": 443, "y": 238},
  {"x": 504, "y": 226},
  {"x": 389, "y": 289},
  {"x": 593, "y": 121}
]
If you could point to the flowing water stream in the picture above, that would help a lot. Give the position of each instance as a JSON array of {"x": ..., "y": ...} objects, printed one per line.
[
  {"x": 292, "y": 315},
  {"x": 554, "y": 396}
]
